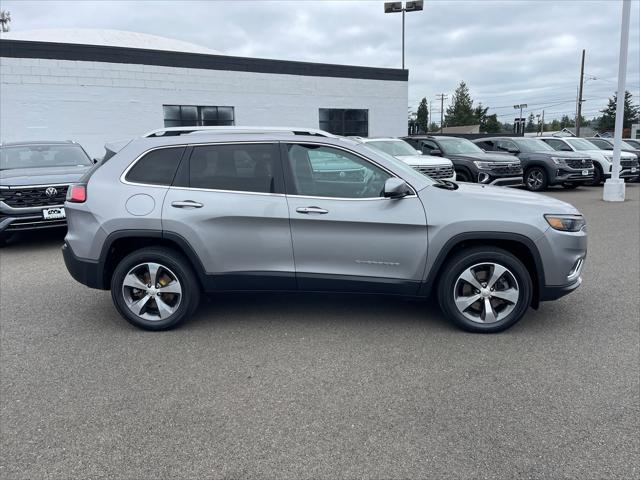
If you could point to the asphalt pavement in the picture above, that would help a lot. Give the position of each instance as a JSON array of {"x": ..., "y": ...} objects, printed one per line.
[{"x": 323, "y": 386}]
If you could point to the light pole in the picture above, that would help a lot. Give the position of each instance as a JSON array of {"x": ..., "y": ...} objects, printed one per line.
[
  {"x": 396, "y": 7},
  {"x": 614, "y": 186},
  {"x": 520, "y": 119}
]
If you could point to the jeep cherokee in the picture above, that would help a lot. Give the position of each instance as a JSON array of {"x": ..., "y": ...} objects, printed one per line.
[{"x": 167, "y": 218}]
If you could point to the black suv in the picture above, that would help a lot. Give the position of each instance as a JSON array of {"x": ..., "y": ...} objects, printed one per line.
[
  {"x": 543, "y": 166},
  {"x": 471, "y": 163}
]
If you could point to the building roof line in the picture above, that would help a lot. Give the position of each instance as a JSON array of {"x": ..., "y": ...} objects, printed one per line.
[{"x": 141, "y": 56}]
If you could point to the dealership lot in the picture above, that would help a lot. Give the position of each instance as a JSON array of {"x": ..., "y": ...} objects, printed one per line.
[{"x": 317, "y": 385}]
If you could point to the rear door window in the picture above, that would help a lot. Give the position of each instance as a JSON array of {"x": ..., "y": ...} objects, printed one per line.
[{"x": 243, "y": 167}]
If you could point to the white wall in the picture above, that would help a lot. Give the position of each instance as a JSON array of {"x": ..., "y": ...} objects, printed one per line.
[{"x": 95, "y": 102}]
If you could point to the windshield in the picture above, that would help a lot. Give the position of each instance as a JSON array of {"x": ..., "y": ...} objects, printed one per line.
[
  {"x": 581, "y": 144},
  {"x": 394, "y": 147},
  {"x": 530, "y": 145},
  {"x": 458, "y": 146},
  {"x": 34, "y": 156}
]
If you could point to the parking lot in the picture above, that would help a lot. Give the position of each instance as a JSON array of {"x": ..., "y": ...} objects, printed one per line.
[{"x": 323, "y": 386}]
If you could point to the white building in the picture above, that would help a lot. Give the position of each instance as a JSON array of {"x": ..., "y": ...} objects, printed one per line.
[{"x": 95, "y": 86}]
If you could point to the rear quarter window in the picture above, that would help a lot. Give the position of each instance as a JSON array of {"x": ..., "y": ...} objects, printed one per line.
[{"x": 157, "y": 167}]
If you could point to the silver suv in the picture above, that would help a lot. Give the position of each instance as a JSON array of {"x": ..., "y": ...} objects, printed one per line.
[{"x": 167, "y": 218}]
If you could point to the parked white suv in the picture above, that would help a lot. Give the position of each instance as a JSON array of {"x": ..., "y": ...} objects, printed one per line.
[
  {"x": 602, "y": 160},
  {"x": 439, "y": 168}
]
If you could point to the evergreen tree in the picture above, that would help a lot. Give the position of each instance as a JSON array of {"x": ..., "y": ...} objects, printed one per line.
[
  {"x": 492, "y": 125},
  {"x": 433, "y": 127},
  {"x": 423, "y": 116},
  {"x": 631, "y": 113},
  {"x": 566, "y": 122},
  {"x": 530, "y": 127},
  {"x": 461, "y": 111}
]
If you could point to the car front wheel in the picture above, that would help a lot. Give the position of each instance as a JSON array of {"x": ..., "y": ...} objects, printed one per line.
[
  {"x": 155, "y": 288},
  {"x": 485, "y": 290},
  {"x": 536, "y": 179}
]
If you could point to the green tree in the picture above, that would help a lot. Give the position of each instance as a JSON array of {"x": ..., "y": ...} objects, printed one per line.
[
  {"x": 566, "y": 122},
  {"x": 480, "y": 114},
  {"x": 492, "y": 125},
  {"x": 531, "y": 126},
  {"x": 555, "y": 125},
  {"x": 433, "y": 127},
  {"x": 631, "y": 113},
  {"x": 423, "y": 116},
  {"x": 461, "y": 111}
]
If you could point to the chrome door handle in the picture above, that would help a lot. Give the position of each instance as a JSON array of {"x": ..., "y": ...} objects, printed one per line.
[
  {"x": 311, "y": 210},
  {"x": 186, "y": 204}
]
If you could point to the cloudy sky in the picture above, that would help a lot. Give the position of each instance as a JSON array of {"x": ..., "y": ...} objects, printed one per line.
[{"x": 507, "y": 52}]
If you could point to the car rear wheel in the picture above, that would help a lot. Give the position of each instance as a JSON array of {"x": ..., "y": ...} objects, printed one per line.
[
  {"x": 155, "y": 288},
  {"x": 485, "y": 290},
  {"x": 535, "y": 179}
]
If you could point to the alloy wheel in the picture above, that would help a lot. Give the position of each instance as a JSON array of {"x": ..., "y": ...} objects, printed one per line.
[
  {"x": 535, "y": 179},
  {"x": 151, "y": 291},
  {"x": 486, "y": 293}
]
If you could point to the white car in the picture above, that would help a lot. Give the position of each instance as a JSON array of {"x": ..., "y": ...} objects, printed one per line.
[
  {"x": 439, "y": 168},
  {"x": 602, "y": 159}
]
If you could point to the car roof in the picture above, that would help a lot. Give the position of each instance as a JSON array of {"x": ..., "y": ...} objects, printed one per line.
[
  {"x": 371, "y": 139},
  {"x": 39, "y": 142}
]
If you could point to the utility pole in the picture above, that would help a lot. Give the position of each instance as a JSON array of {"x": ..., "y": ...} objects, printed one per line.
[
  {"x": 542, "y": 128},
  {"x": 442, "y": 97},
  {"x": 580, "y": 96}
]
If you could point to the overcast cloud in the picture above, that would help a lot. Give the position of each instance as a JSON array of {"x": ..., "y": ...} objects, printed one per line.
[{"x": 507, "y": 52}]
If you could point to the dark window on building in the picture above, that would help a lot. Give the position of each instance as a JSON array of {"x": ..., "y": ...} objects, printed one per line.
[
  {"x": 157, "y": 167},
  {"x": 191, "y": 115},
  {"x": 241, "y": 167},
  {"x": 346, "y": 122}
]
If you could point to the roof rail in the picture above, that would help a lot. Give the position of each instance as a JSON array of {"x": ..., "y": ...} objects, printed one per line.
[{"x": 175, "y": 131}]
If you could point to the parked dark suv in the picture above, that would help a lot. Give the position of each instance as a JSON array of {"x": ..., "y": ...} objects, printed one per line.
[
  {"x": 543, "y": 166},
  {"x": 471, "y": 163},
  {"x": 34, "y": 178}
]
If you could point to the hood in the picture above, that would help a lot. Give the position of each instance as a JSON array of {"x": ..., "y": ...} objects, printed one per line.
[
  {"x": 42, "y": 176},
  {"x": 510, "y": 198},
  {"x": 608, "y": 153},
  {"x": 561, "y": 154},
  {"x": 425, "y": 160},
  {"x": 487, "y": 157}
]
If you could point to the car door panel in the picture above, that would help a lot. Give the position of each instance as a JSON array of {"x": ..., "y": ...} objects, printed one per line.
[
  {"x": 243, "y": 238},
  {"x": 354, "y": 243}
]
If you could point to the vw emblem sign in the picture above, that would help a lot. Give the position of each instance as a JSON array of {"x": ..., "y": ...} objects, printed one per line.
[{"x": 51, "y": 192}]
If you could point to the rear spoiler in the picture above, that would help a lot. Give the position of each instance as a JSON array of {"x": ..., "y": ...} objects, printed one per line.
[{"x": 112, "y": 148}]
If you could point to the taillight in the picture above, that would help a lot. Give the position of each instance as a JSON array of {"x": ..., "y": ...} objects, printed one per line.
[{"x": 77, "y": 194}]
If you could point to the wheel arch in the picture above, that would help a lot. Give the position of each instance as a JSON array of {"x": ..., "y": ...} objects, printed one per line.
[
  {"x": 118, "y": 244},
  {"x": 519, "y": 245}
]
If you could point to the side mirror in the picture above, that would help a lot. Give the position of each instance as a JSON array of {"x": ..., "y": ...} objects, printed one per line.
[
  {"x": 396, "y": 188},
  {"x": 436, "y": 152}
]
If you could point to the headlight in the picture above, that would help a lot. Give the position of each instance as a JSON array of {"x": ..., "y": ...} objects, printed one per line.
[
  {"x": 566, "y": 223},
  {"x": 483, "y": 165},
  {"x": 559, "y": 161}
]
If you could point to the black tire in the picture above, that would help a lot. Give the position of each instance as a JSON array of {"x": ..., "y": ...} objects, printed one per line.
[
  {"x": 173, "y": 264},
  {"x": 463, "y": 176},
  {"x": 598, "y": 176},
  {"x": 536, "y": 179},
  {"x": 464, "y": 260},
  {"x": 570, "y": 186}
]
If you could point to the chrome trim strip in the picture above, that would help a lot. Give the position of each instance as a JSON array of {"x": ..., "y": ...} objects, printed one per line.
[
  {"x": 18, "y": 187},
  {"x": 9, "y": 209},
  {"x": 242, "y": 192}
]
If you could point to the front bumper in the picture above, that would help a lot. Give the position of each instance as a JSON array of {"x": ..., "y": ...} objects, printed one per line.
[
  {"x": 569, "y": 175},
  {"x": 18, "y": 222},
  {"x": 87, "y": 272},
  {"x": 555, "y": 292},
  {"x": 512, "y": 181}
]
